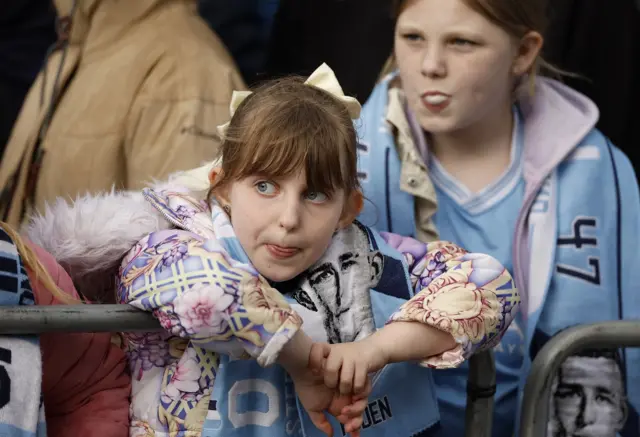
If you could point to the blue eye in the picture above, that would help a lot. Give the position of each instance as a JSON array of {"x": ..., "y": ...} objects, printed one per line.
[
  {"x": 413, "y": 37},
  {"x": 266, "y": 188},
  {"x": 317, "y": 197}
]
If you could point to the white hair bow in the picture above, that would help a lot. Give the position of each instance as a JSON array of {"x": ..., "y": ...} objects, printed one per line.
[{"x": 323, "y": 78}]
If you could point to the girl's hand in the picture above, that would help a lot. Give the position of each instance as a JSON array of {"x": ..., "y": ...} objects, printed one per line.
[
  {"x": 347, "y": 366},
  {"x": 317, "y": 399}
]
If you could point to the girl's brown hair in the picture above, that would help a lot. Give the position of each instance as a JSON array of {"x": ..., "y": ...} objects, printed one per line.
[
  {"x": 516, "y": 17},
  {"x": 285, "y": 126},
  {"x": 33, "y": 264}
]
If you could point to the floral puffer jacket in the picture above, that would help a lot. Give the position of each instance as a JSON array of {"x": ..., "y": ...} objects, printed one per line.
[{"x": 210, "y": 303}]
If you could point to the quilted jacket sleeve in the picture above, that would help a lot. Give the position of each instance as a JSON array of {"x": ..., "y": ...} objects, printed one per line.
[
  {"x": 197, "y": 291},
  {"x": 470, "y": 295}
]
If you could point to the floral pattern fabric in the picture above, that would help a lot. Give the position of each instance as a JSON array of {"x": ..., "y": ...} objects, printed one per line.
[
  {"x": 210, "y": 303},
  {"x": 470, "y": 295},
  {"x": 207, "y": 302}
]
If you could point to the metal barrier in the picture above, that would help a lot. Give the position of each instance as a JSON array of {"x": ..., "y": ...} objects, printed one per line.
[
  {"x": 21, "y": 320},
  {"x": 535, "y": 404}
]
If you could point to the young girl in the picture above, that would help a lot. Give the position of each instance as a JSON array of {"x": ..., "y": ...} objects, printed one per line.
[
  {"x": 232, "y": 273},
  {"x": 466, "y": 142},
  {"x": 79, "y": 380}
]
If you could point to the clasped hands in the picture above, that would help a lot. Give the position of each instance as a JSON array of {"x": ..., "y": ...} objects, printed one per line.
[
  {"x": 337, "y": 382},
  {"x": 335, "y": 378}
]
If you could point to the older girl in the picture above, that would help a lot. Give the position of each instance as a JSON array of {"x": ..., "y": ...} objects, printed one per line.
[{"x": 467, "y": 142}]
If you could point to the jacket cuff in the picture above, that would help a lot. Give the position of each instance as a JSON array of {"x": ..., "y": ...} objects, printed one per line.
[{"x": 271, "y": 350}]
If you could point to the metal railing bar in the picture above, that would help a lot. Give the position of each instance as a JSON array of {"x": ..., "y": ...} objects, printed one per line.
[
  {"x": 22, "y": 320},
  {"x": 535, "y": 404}
]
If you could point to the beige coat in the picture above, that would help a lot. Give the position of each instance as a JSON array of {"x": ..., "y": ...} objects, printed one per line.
[{"x": 151, "y": 84}]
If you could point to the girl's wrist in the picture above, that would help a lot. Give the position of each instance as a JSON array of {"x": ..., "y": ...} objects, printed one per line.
[
  {"x": 379, "y": 344},
  {"x": 411, "y": 341},
  {"x": 294, "y": 356}
]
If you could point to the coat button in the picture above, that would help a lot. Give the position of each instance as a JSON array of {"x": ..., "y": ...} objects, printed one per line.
[{"x": 413, "y": 182}]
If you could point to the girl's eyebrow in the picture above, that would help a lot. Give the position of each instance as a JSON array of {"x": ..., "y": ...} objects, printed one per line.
[
  {"x": 467, "y": 33},
  {"x": 410, "y": 27}
]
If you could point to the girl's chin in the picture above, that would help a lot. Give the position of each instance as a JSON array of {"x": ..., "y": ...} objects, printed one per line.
[
  {"x": 279, "y": 274},
  {"x": 437, "y": 126}
]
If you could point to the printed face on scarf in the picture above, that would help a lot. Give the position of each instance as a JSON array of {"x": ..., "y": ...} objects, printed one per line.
[
  {"x": 588, "y": 400},
  {"x": 283, "y": 226},
  {"x": 337, "y": 288},
  {"x": 456, "y": 67}
]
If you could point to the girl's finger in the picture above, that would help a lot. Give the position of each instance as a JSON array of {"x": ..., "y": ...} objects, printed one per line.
[
  {"x": 365, "y": 392},
  {"x": 332, "y": 368},
  {"x": 354, "y": 425},
  {"x": 359, "y": 379},
  {"x": 321, "y": 422},
  {"x": 346, "y": 377},
  {"x": 356, "y": 409},
  {"x": 319, "y": 351}
]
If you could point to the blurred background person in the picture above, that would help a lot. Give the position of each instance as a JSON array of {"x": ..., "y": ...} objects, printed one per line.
[{"x": 132, "y": 92}]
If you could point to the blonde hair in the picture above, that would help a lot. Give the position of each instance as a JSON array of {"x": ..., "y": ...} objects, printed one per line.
[
  {"x": 286, "y": 126},
  {"x": 32, "y": 262}
]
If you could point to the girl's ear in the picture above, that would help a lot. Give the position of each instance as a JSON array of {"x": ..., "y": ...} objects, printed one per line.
[
  {"x": 528, "y": 51},
  {"x": 352, "y": 208},
  {"x": 214, "y": 174},
  {"x": 220, "y": 192}
]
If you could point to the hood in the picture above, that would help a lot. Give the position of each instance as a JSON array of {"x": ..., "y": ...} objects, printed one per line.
[
  {"x": 90, "y": 236},
  {"x": 105, "y": 19},
  {"x": 557, "y": 119}
]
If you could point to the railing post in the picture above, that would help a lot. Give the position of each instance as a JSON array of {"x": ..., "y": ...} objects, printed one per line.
[{"x": 481, "y": 388}]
